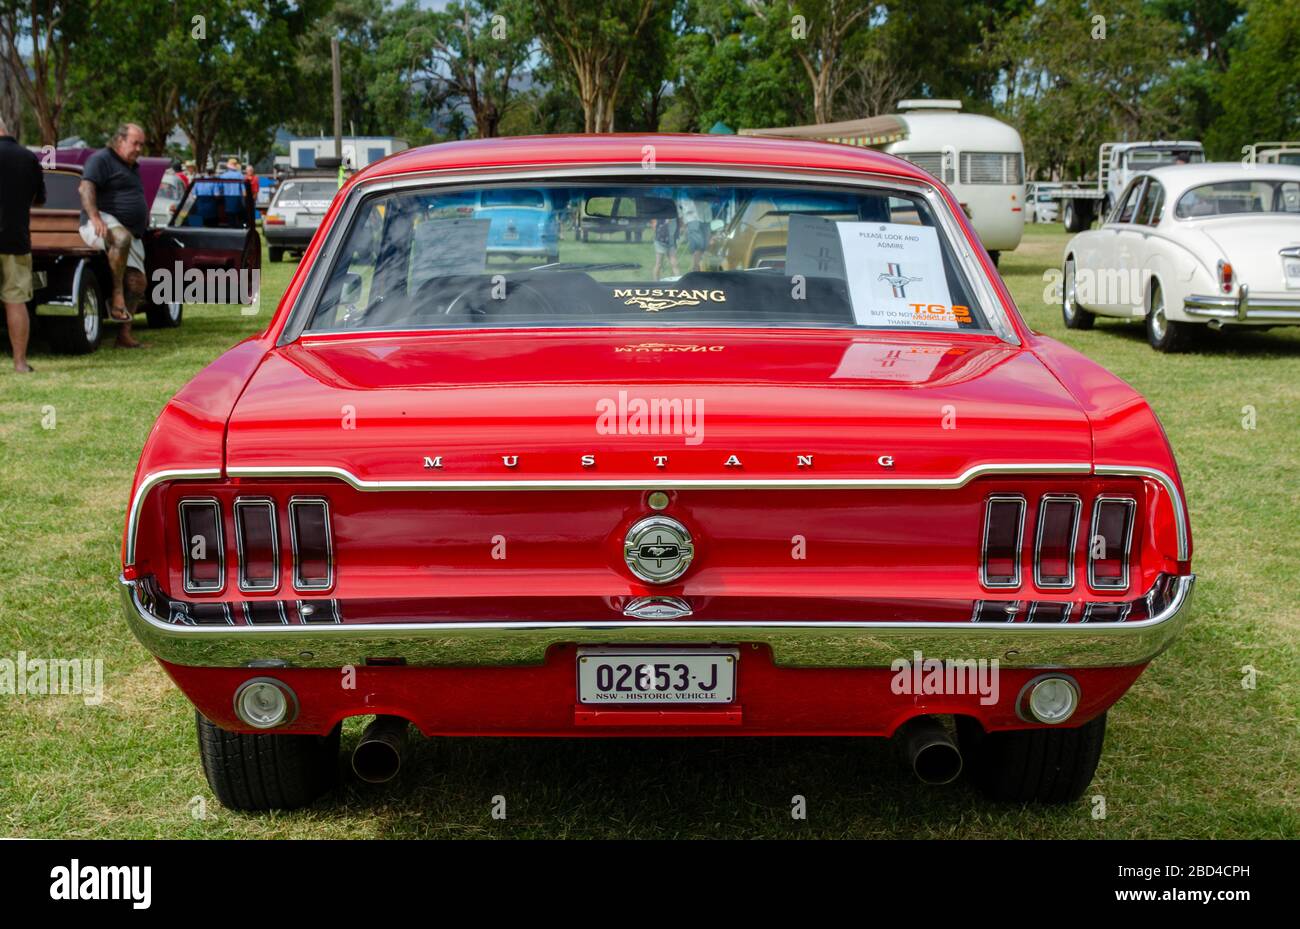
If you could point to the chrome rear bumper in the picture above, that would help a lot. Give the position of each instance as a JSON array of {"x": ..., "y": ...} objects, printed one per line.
[
  {"x": 793, "y": 643},
  {"x": 1243, "y": 309}
]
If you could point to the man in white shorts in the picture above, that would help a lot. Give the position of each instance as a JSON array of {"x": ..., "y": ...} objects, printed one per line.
[{"x": 115, "y": 217}]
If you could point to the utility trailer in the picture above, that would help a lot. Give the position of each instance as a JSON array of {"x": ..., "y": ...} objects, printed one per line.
[{"x": 1117, "y": 162}]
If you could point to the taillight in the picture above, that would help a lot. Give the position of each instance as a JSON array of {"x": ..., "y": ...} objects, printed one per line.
[
  {"x": 257, "y": 544},
  {"x": 204, "y": 556},
  {"x": 1225, "y": 276},
  {"x": 1109, "y": 542},
  {"x": 1058, "y": 527},
  {"x": 273, "y": 219},
  {"x": 1004, "y": 524},
  {"x": 313, "y": 556}
]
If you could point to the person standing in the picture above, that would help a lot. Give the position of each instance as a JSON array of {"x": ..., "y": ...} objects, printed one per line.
[
  {"x": 23, "y": 188},
  {"x": 115, "y": 217}
]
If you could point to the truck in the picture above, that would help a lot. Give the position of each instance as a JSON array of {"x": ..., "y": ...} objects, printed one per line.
[
  {"x": 1272, "y": 153},
  {"x": 1117, "y": 162}
]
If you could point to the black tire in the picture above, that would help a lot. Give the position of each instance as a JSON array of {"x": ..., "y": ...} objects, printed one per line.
[
  {"x": 164, "y": 315},
  {"x": 627, "y": 235},
  {"x": 1163, "y": 333},
  {"x": 1033, "y": 765},
  {"x": 1075, "y": 316},
  {"x": 996, "y": 257},
  {"x": 265, "y": 771},
  {"x": 275, "y": 253},
  {"x": 80, "y": 334},
  {"x": 1077, "y": 215}
]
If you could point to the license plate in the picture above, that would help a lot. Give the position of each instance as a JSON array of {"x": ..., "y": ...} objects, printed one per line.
[
  {"x": 657, "y": 676},
  {"x": 309, "y": 220},
  {"x": 1291, "y": 266}
]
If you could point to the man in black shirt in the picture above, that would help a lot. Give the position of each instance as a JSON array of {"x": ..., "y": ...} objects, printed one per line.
[
  {"x": 23, "y": 187},
  {"x": 115, "y": 217}
]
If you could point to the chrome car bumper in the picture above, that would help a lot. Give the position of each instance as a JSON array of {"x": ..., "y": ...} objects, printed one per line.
[
  {"x": 1242, "y": 309},
  {"x": 793, "y": 643}
]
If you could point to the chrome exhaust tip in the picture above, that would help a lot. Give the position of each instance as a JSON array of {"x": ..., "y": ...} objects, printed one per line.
[
  {"x": 382, "y": 748},
  {"x": 930, "y": 750}
]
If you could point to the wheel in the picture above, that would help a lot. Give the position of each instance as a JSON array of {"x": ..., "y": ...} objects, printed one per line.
[
  {"x": 80, "y": 334},
  {"x": 1075, "y": 316},
  {"x": 627, "y": 235},
  {"x": 1165, "y": 334},
  {"x": 1076, "y": 216},
  {"x": 1033, "y": 765},
  {"x": 582, "y": 234},
  {"x": 264, "y": 771},
  {"x": 275, "y": 253},
  {"x": 638, "y": 234},
  {"x": 995, "y": 256},
  {"x": 553, "y": 258},
  {"x": 164, "y": 315}
]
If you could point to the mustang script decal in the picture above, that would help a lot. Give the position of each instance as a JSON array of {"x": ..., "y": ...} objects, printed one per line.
[{"x": 654, "y": 299}]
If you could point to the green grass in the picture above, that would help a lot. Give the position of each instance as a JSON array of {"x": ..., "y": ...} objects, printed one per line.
[{"x": 1189, "y": 753}]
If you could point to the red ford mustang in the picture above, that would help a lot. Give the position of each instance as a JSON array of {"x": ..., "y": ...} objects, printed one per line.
[{"x": 787, "y": 463}]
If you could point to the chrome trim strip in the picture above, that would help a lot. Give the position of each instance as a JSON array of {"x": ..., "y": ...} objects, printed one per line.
[
  {"x": 268, "y": 503},
  {"x": 149, "y": 483},
  {"x": 657, "y": 483},
  {"x": 1130, "y": 505},
  {"x": 1244, "y": 308},
  {"x": 1074, "y": 539},
  {"x": 1181, "y": 522},
  {"x": 298, "y": 583},
  {"x": 1000, "y": 321},
  {"x": 794, "y": 643},
  {"x": 219, "y": 543},
  {"x": 1019, "y": 500}
]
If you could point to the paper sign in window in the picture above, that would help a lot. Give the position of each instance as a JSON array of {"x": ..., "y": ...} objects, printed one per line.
[{"x": 896, "y": 276}]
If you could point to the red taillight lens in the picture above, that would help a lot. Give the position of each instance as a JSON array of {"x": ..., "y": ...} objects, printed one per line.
[
  {"x": 1109, "y": 542},
  {"x": 1225, "y": 276},
  {"x": 1058, "y": 526},
  {"x": 203, "y": 552},
  {"x": 257, "y": 542},
  {"x": 313, "y": 555},
  {"x": 273, "y": 219},
  {"x": 1004, "y": 523}
]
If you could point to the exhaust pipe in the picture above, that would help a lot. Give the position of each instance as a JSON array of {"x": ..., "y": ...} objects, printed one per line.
[
  {"x": 378, "y": 756},
  {"x": 930, "y": 750}
]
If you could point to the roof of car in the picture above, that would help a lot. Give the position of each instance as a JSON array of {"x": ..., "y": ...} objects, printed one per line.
[
  {"x": 1182, "y": 177},
  {"x": 634, "y": 149}
]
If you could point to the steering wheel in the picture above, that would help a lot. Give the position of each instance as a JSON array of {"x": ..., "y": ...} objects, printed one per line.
[{"x": 471, "y": 300}]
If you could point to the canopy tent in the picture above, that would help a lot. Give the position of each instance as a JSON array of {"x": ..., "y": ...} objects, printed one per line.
[{"x": 868, "y": 133}]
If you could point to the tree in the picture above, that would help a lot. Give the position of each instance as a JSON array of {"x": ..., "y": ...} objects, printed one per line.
[
  {"x": 595, "y": 41},
  {"x": 10, "y": 98},
  {"x": 479, "y": 47},
  {"x": 821, "y": 33},
  {"x": 50, "y": 28},
  {"x": 1260, "y": 92}
]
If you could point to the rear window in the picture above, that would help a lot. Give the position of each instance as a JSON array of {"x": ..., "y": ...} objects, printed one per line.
[
  {"x": 514, "y": 196},
  {"x": 674, "y": 255},
  {"x": 61, "y": 190},
  {"x": 308, "y": 193},
  {"x": 1231, "y": 197},
  {"x": 992, "y": 168}
]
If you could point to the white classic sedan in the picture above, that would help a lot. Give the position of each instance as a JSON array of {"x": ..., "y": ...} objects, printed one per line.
[{"x": 1214, "y": 244}]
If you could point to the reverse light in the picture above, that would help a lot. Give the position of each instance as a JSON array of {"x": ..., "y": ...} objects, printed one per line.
[
  {"x": 1109, "y": 542},
  {"x": 1004, "y": 524},
  {"x": 1050, "y": 699},
  {"x": 202, "y": 546},
  {"x": 265, "y": 703}
]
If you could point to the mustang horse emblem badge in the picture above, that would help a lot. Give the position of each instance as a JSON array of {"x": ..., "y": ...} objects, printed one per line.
[
  {"x": 897, "y": 279},
  {"x": 658, "y": 549}
]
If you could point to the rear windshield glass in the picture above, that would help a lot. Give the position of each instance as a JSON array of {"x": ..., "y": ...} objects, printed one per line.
[
  {"x": 645, "y": 255},
  {"x": 1227, "y": 197},
  {"x": 308, "y": 193}
]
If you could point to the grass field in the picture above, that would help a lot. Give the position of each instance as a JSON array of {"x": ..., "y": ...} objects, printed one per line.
[{"x": 1190, "y": 752}]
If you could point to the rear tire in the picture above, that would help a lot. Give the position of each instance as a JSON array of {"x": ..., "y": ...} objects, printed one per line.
[
  {"x": 1076, "y": 216},
  {"x": 80, "y": 334},
  {"x": 263, "y": 771},
  {"x": 1075, "y": 316},
  {"x": 1163, "y": 333},
  {"x": 1033, "y": 765},
  {"x": 275, "y": 253},
  {"x": 996, "y": 256},
  {"x": 164, "y": 315}
]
